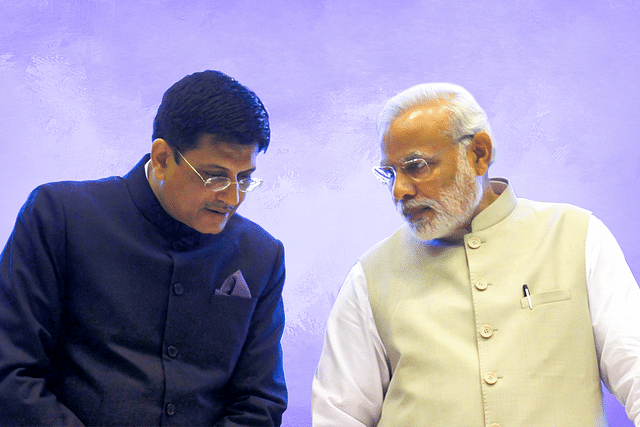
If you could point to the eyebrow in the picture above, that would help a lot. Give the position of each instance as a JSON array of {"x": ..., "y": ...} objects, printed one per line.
[{"x": 212, "y": 167}]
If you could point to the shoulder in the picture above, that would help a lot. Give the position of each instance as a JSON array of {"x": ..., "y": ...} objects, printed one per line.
[
  {"x": 248, "y": 233},
  {"x": 255, "y": 252},
  {"x": 556, "y": 210},
  {"x": 54, "y": 201},
  {"x": 70, "y": 190},
  {"x": 387, "y": 246}
]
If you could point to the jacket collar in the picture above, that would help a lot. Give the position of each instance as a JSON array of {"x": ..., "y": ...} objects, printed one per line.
[
  {"x": 499, "y": 209},
  {"x": 182, "y": 237}
]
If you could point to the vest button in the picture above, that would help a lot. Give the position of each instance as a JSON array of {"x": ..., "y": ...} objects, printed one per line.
[
  {"x": 486, "y": 331},
  {"x": 490, "y": 378},
  {"x": 474, "y": 242},
  {"x": 480, "y": 284},
  {"x": 494, "y": 425}
]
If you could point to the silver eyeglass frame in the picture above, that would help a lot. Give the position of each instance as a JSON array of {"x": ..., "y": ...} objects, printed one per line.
[
  {"x": 387, "y": 174},
  {"x": 220, "y": 183}
]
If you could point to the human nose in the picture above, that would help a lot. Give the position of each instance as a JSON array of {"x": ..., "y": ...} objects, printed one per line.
[
  {"x": 230, "y": 195},
  {"x": 403, "y": 186}
]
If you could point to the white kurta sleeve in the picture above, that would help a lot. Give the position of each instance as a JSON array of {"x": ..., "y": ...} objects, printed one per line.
[
  {"x": 353, "y": 374},
  {"x": 614, "y": 300}
]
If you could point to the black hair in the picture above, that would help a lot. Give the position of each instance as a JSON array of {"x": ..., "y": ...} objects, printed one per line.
[{"x": 210, "y": 102}]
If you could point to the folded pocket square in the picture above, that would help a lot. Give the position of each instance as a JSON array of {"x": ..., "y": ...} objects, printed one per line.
[{"x": 235, "y": 285}]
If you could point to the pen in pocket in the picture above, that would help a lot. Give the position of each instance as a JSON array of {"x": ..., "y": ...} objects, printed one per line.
[{"x": 527, "y": 294}]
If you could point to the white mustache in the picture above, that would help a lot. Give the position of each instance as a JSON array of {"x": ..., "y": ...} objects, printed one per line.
[{"x": 404, "y": 206}]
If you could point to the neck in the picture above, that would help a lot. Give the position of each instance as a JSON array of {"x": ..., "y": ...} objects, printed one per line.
[{"x": 486, "y": 196}]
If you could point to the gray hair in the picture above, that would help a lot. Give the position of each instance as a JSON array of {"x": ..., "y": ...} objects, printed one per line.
[{"x": 467, "y": 117}]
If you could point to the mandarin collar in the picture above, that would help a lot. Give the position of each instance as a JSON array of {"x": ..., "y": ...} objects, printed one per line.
[
  {"x": 181, "y": 236},
  {"x": 490, "y": 216},
  {"x": 499, "y": 209}
]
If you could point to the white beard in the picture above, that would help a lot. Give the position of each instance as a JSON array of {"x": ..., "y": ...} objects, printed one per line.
[{"x": 455, "y": 206}]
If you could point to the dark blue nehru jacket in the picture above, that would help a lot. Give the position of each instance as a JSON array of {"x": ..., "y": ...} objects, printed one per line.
[{"x": 109, "y": 315}]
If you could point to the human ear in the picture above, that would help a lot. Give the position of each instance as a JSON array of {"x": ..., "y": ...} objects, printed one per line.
[
  {"x": 161, "y": 152},
  {"x": 481, "y": 147}
]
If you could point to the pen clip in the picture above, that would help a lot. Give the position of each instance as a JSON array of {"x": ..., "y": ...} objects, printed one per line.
[{"x": 527, "y": 294}]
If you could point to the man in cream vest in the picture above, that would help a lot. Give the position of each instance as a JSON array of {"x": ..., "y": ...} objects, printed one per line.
[{"x": 484, "y": 309}]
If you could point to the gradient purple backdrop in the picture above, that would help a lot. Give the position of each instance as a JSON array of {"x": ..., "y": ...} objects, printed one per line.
[{"x": 81, "y": 80}]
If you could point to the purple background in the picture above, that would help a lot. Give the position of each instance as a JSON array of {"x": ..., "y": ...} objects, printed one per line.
[{"x": 81, "y": 80}]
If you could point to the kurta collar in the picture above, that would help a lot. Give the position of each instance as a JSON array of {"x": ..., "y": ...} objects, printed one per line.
[
  {"x": 499, "y": 209},
  {"x": 182, "y": 236}
]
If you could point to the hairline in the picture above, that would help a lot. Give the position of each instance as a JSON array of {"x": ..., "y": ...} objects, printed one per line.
[{"x": 457, "y": 100}]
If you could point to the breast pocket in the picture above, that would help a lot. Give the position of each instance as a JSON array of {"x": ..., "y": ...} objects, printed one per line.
[
  {"x": 538, "y": 299},
  {"x": 229, "y": 321}
]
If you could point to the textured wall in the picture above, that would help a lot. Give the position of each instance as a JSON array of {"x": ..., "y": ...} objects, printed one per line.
[{"x": 80, "y": 81}]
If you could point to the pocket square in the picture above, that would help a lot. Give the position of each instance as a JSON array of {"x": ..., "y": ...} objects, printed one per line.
[{"x": 235, "y": 285}]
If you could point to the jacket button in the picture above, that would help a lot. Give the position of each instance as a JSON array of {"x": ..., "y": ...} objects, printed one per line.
[
  {"x": 172, "y": 351},
  {"x": 486, "y": 331},
  {"x": 480, "y": 284},
  {"x": 179, "y": 245},
  {"x": 474, "y": 243},
  {"x": 178, "y": 289},
  {"x": 490, "y": 378},
  {"x": 171, "y": 409},
  {"x": 494, "y": 425}
]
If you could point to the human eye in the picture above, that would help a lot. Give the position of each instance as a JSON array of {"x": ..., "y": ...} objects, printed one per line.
[
  {"x": 216, "y": 181},
  {"x": 244, "y": 181},
  {"x": 416, "y": 167},
  {"x": 246, "y": 176},
  {"x": 249, "y": 183}
]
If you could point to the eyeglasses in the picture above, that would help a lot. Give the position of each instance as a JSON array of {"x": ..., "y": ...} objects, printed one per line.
[
  {"x": 219, "y": 183},
  {"x": 417, "y": 169}
]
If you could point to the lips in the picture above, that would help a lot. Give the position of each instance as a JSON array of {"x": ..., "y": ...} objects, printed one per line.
[
  {"x": 414, "y": 214},
  {"x": 219, "y": 209}
]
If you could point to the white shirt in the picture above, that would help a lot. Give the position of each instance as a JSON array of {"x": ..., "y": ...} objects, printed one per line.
[{"x": 353, "y": 375}]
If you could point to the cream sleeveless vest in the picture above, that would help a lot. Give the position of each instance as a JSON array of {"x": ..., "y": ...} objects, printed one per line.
[{"x": 464, "y": 347}]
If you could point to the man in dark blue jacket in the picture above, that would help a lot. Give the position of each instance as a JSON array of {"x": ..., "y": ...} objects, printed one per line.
[{"x": 144, "y": 299}]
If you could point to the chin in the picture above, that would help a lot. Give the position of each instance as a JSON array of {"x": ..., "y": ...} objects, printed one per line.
[
  {"x": 208, "y": 228},
  {"x": 426, "y": 231},
  {"x": 210, "y": 223},
  {"x": 214, "y": 230},
  {"x": 421, "y": 234}
]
